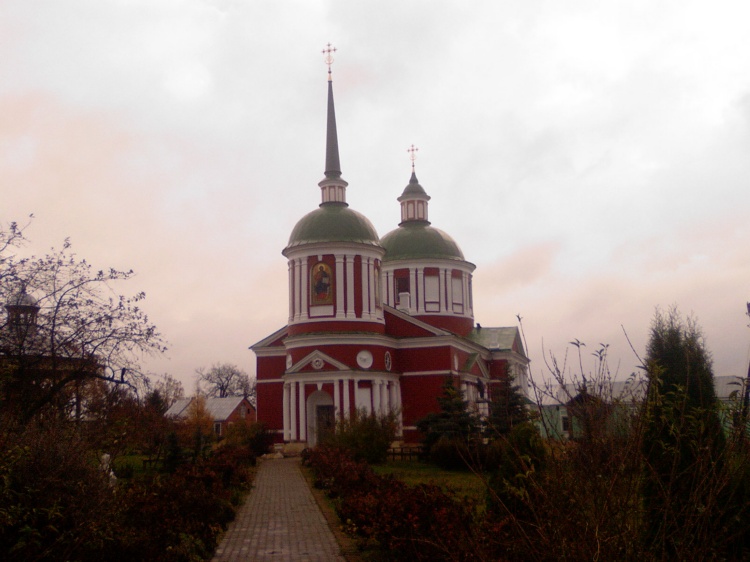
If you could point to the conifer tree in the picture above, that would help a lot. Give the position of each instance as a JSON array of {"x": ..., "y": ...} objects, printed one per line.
[
  {"x": 507, "y": 407},
  {"x": 683, "y": 441}
]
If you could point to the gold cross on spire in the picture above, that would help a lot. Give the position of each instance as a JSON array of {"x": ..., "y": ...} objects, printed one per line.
[
  {"x": 412, "y": 150},
  {"x": 328, "y": 52}
]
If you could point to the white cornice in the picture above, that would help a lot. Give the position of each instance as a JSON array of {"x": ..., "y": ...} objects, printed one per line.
[{"x": 336, "y": 249}]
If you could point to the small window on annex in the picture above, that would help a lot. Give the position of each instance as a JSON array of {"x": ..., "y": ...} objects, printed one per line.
[{"x": 321, "y": 284}]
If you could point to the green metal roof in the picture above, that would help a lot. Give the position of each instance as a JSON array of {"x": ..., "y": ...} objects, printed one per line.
[
  {"x": 333, "y": 222},
  {"x": 417, "y": 239},
  {"x": 495, "y": 339}
]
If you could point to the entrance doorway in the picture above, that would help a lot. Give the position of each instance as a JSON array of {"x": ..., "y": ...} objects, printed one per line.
[
  {"x": 321, "y": 416},
  {"x": 325, "y": 421}
]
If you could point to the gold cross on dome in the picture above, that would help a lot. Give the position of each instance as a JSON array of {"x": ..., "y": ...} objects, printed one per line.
[
  {"x": 412, "y": 150},
  {"x": 328, "y": 52}
]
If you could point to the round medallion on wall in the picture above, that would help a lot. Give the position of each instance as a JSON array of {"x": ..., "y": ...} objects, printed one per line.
[
  {"x": 388, "y": 361},
  {"x": 289, "y": 362},
  {"x": 364, "y": 359},
  {"x": 317, "y": 363}
]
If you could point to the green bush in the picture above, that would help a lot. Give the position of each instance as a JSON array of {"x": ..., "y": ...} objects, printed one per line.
[
  {"x": 450, "y": 453},
  {"x": 255, "y": 436},
  {"x": 367, "y": 436}
]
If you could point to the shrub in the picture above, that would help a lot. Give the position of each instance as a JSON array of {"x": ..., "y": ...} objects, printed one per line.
[
  {"x": 367, "y": 436},
  {"x": 450, "y": 453},
  {"x": 54, "y": 499},
  {"x": 409, "y": 522}
]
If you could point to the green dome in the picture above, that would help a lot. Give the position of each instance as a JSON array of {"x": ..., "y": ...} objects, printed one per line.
[
  {"x": 333, "y": 223},
  {"x": 417, "y": 239}
]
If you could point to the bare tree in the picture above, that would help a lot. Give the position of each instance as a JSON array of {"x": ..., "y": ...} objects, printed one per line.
[
  {"x": 224, "y": 379},
  {"x": 62, "y": 323},
  {"x": 169, "y": 390}
]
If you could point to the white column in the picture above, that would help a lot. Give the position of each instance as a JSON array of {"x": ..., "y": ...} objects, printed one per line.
[
  {"x": 290, "y": 283},
  {"x": 420, "y": 289},
  {"x": 465, "y": 280},
  {"x": 304, "y": 288},
  {"x": 389, "y": 288},
  {"x": 350, "y": 286},
  {"x": 365, "y": 288},
  {"x": 346, "y": 398},
  {"x": 444, "y": 307},
  {"x": 397, "y": 393},
  {"x": 297, "y": 285},
  {"x": 293, "y": 411},
  {"x": 339, "y": 286},
  {"x": 384, "y": 406},
  {"x": 376, "y": 386},
  {"x": 286, "y": 412},
  {"x": 337, "y": 396},
  {"x": 412, "y": 291},
  {"x": 302, "y": 416}
]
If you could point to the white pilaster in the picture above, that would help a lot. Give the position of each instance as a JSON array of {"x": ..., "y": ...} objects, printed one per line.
[
  {"x": 412, "y": 291},
  {"x": 350, "y": 286},
  {"x": 365, "y": 287},
  {"x": 297, "y": 286},
  {"x": 290, "y": 283},
  {"x": 420, "y": 289},
  {"x": 304, "y": 288},
  {"x": 443, "y": 290},
  {"x": 390, "y": 301},
  {"x": 465, "y": 279}
]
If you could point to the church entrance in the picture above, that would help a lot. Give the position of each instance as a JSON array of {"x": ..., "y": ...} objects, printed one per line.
[
  {"x": 321, "y": 416},
  {"x": 325, "y": 421}
]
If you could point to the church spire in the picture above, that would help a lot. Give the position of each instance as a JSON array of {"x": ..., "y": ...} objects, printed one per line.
[{"x": 333, "y": 188}]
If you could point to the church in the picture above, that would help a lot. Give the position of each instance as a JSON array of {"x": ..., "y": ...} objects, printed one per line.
[{"x": 375, "y": 323}]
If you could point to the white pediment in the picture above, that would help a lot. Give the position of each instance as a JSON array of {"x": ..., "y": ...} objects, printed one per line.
[{"x": 318, "y": 361}]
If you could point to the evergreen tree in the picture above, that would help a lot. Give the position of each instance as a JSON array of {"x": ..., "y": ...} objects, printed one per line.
[
  {"x": 507, "y": 408},
  {"x": 683, "y": 441},
  {"x": 451, "y": 431}
]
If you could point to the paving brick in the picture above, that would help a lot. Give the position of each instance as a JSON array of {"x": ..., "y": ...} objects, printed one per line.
[{"x": 279, "y": 520}]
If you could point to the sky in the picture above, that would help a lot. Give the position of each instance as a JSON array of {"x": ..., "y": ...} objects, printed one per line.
[{"x": 591, "y": 157}]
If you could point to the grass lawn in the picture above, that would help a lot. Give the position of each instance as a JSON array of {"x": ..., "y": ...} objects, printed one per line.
[{"x": 414, "y": 472}]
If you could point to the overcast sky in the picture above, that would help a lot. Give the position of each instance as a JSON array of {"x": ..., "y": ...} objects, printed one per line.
[{"x": 592, "y": 158}]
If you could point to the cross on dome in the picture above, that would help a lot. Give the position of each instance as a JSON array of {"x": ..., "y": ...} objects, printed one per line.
[
  {"x": 328, "y": 52},
  {"x": 412, "y": 150}
]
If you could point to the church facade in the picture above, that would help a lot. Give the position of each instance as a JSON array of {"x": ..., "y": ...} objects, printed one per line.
[{"x": 375, "y": 324}]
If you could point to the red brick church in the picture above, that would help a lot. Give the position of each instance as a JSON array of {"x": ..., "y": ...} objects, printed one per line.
[{"x": 375, "y": 323}]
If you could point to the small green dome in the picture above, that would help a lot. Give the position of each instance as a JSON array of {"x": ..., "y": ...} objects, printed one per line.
[
  {"x": 333, "y": 223},
  {"x": 417, "y": 239}
]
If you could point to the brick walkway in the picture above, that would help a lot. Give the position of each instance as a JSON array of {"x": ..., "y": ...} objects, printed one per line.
[{"x": 279, "y": 520}]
